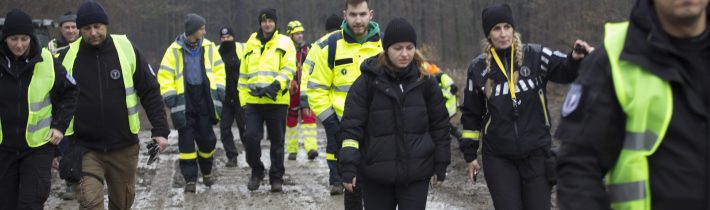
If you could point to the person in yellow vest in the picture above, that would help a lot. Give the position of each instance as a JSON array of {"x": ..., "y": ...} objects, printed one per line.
[
  {"x": 505, "y": 104},
  {"x": 264, "y": 79},
  {"x": 297, "y": 106},
  {"x": 449, "y": 89},
  {"x": 232, "y": 53},
  {"x": 37, "y": 101},
  {"x": 192, "y": 82},
  {"x": 114, "y": 76},
  {"x": 68, "y": 33},
  {"x": 337, "y": 66},
  {"x": 634, "y": 124}
]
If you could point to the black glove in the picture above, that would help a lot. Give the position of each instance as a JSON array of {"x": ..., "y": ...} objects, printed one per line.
[
  {"x": 257, "y": 91},
  {"x": 272, "y": 90}
]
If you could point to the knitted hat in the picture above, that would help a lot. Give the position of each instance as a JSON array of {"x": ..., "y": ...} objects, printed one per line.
[
  {"x": 333, "y": 22},
  {"x": 17, "y": 22},
  {"x": 269, "y": 13},
  {"x": 90, "y": 12},
  {"x": 193, "y": 22},
  {"x": 226, "y": 30},
  {"x": 398, "y": 30},
  {"x": 66, "y": 17},
  {"x": 495, "y": 14}
]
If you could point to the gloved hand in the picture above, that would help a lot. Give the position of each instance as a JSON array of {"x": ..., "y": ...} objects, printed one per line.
[
  {"x": 257, "y": 91},
  {"x": 272, "y": 90}
]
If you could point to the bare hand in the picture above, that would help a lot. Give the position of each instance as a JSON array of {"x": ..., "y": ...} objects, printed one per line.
[
  {"x": 306, "y": 111},
  {"x": 162, "y": 142},
  {"x": 473, "y": 168},
  {"x": 55, "y": 136},
  {"x": 579, "y": 55},
  {"x": 348, "y": 186},
  {"x": 435, "y": 182}
]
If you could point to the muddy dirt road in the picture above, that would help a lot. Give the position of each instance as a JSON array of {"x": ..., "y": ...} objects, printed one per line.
[{"x": 159, "y": 186}]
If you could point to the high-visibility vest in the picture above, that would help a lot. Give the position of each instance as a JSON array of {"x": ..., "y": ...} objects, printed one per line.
[
  {"x": 127, "y": 59},
  {"x": 38, "y": 100},
  {"x": 172, "y": 82},
  {"x": 647, "y": 101}
]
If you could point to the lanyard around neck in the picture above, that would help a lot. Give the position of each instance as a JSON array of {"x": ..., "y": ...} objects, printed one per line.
[{"x": 510, "y": 78}]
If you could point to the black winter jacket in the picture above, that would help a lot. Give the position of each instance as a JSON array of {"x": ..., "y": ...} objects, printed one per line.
[
  {"x": 593, "y": 133},
  {"x": 15, "y": 78},
  {"x": 401, "y": 124},
  {"x": 227, "y": 50},
  {"x": 504, "y": 133},
  {"x": 101, "y": 120}
]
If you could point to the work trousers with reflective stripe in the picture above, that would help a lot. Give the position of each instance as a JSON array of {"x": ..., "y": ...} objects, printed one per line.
[
  {"x": 117, "y": 169},
  {"x": 307, "y": 128},
  {"x": 25, "y": 177},
  {"x": 518, "y": 183},
  {"x": 197, "y": 131},
  {"x": 274, "y": 115},
  {"x": 231, "y": 112}
]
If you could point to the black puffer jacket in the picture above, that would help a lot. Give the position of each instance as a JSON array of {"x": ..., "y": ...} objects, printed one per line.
[
  {"x": 401, "y": 124},
  {"x": 504, "y": 133}
]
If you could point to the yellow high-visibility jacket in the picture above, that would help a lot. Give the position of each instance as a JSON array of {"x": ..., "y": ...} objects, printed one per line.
[{"x": 263, "y": 64}]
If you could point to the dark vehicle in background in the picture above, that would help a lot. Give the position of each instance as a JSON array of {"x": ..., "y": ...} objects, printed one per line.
[{"x": 42, "y": 27}]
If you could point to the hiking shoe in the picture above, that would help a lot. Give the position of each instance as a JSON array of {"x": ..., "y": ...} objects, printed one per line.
[
  {"x": 254, "y": 182},
  {"x": 277, "y": 186},
  {"x": 312, "y": 155},
  {"x": 231, "y": 162},
  {"x": 292, "y": 156},
  {"x": 70, "y": 193},
  {"x": 190, "y": 187},
  {"x": 208, "y": 179},
  {"x": 336, "y": 189}
]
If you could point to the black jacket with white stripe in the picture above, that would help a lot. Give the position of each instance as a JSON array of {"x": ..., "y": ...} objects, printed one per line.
[{"x": 488, "y": 105}]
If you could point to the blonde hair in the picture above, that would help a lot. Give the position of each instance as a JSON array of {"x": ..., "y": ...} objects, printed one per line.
[{"x": 486, "y": 46}]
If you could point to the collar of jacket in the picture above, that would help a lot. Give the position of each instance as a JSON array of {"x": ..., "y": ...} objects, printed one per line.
[
  {"x": 649, "y": 46},
  {"x": 34, "y": 56},
  {"x": 104, "y": 46},
  {"x": 260, "y": 36},
  {"x": 373, "y": 33},
  {"x": 61, "y": 42},
  {"x": 386, "y": 77},
  {"x": 182, "y": 40}
]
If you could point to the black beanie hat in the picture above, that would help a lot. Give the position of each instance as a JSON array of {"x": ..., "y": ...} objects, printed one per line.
[
  {"x": 495, "y": 14},
  {"x": 17, "y": 22},
  {"x": 193, "y": 22},
  {"x": 333, "y": 22},
  {"x": 90, "y": 12},
  {"x": 66, "y": 17},
  {"x": 399, "y": 30},
  {"x": 226, "y": 30},
  {"x": 267, "y": 13}
]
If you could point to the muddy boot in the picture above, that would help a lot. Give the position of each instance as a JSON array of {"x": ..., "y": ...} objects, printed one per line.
[
  {"x": 190, "y": 187},
  {"x": 208, "y": 179},
  {"x": 292, "y": 156},
  {"x": 336, "y": 189},
  {"x": 312, "y": 155},
  {"x": 231, "y": 162},
  {"x": 70, "y": 193},
  {"x": 277, "y": 186},
  {"x": 255, "y": 181}
]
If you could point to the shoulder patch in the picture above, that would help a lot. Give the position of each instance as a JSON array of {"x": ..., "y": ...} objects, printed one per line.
[{"x": 572, "y": 100}]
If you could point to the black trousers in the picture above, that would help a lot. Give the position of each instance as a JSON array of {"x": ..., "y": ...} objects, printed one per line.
[
  {"x": 518, "y": 183},
  {"x": 274, "y": 115},
  {"x": 231, "y": 112},
  {"x": 25, "y": 178},
  {"x": 394, "y": 196},
  {"x": 198, "y": 131}
]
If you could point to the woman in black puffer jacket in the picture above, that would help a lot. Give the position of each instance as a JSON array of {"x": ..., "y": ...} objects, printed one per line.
[{"x": 395, "y": 127}]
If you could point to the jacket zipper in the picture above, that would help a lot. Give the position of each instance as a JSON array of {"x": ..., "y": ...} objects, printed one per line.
[
  {"x": 101, "y": 98},
  {"x": 19, "y": 104}
]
